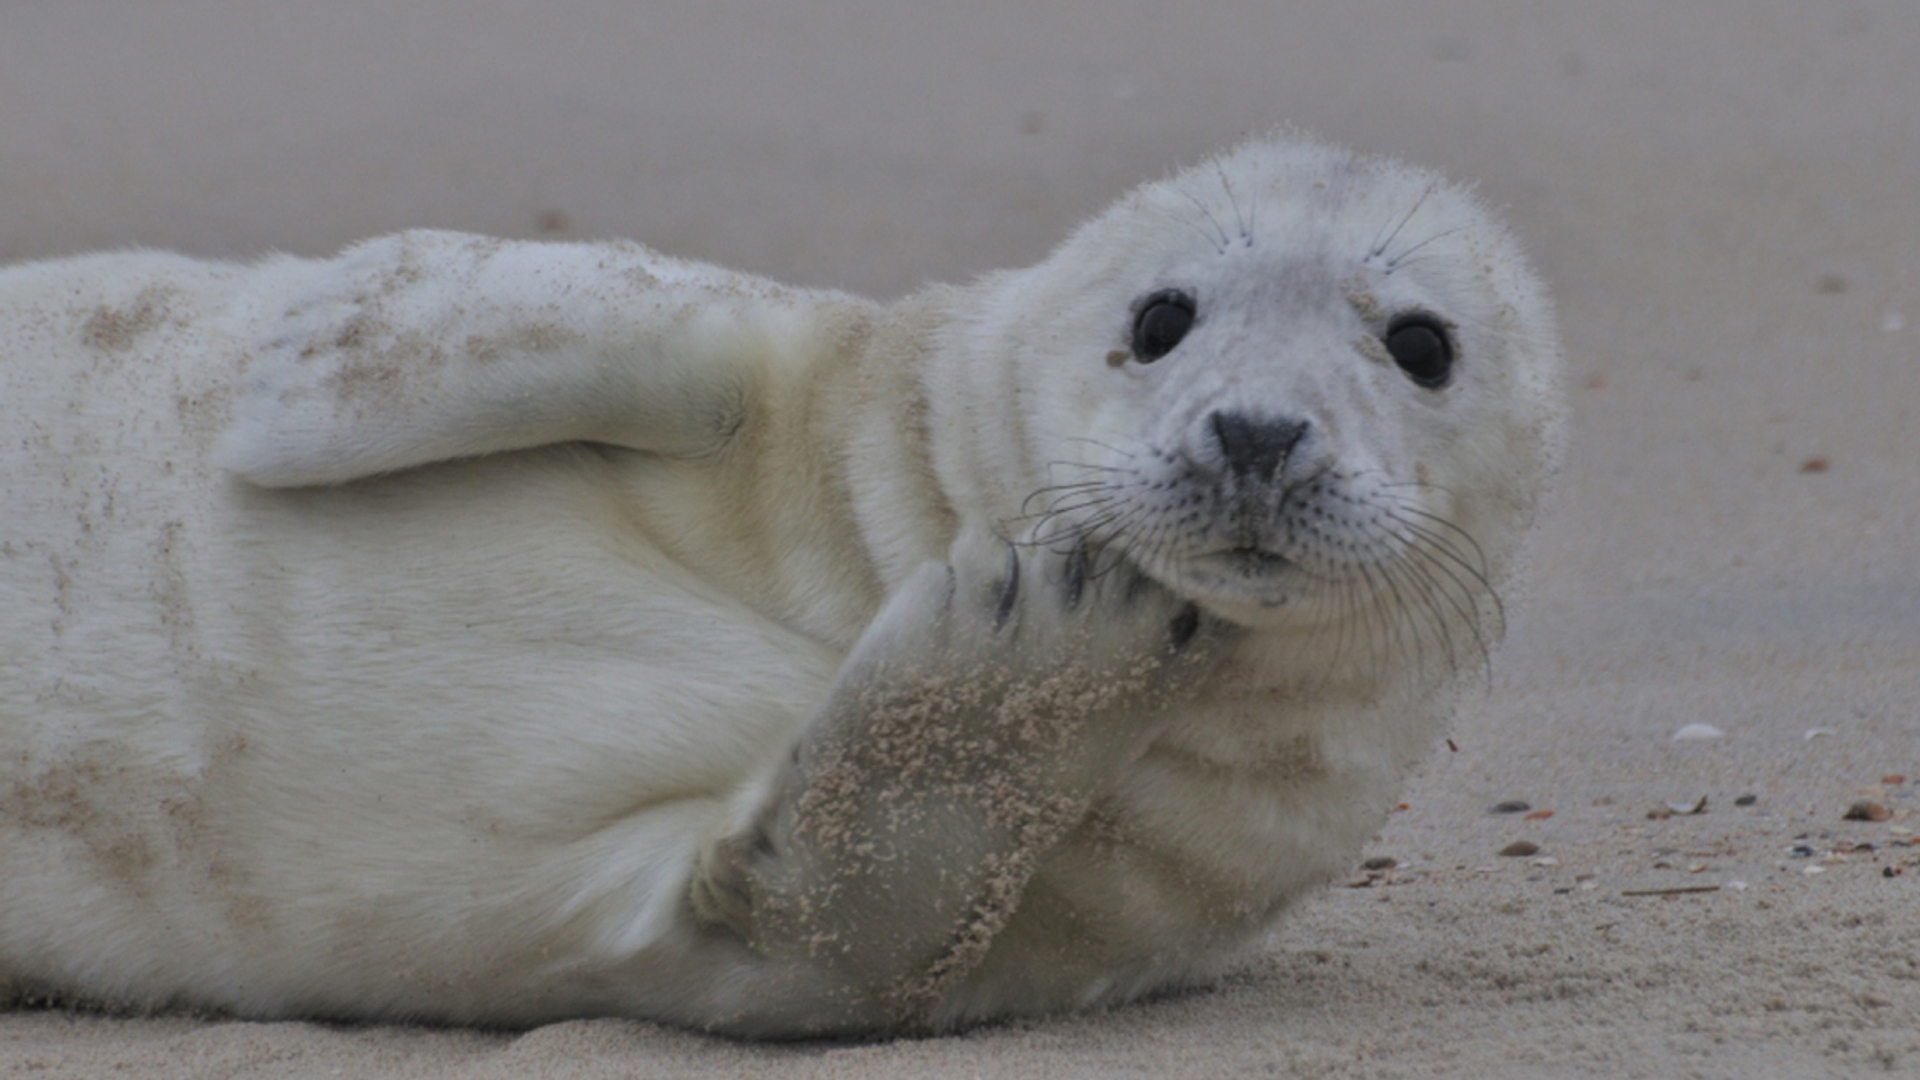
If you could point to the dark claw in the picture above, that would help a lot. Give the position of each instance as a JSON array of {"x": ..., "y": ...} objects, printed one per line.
[
  {"x": 1185, "y": 625},
  {"x": 1008, "y": 591},
  {"x": 1076, "y": 575}
]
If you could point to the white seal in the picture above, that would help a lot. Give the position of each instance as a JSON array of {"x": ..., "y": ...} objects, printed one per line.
[{"x": 494, "y": 632}]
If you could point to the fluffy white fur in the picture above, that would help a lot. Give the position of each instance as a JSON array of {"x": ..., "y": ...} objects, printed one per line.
[{"x": 483, "y": 631}]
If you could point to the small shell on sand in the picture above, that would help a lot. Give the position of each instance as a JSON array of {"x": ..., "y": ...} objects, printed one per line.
[
  {"x": 1867, "y": 811},
  {"x": 1697, "y": 733}
]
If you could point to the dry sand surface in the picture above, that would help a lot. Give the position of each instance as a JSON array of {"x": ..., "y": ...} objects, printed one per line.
[{"x": 1726, "y": 196}]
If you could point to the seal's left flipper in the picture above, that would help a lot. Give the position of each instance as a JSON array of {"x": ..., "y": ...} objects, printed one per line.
[
  {"x": 426, "y": 346},
  {"x": 975, "y": 723}
]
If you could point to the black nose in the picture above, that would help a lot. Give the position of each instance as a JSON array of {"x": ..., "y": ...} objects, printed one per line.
[{"x": 1256, "y": 447}]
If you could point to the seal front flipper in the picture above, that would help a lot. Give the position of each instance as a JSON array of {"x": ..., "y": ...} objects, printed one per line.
[
  {"x": 427, "y": 346},
  {"x": 978, "y": 719}
]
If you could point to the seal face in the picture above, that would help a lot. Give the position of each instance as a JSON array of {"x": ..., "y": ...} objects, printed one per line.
[
  {"x": 497, "y": 632},
  {"x": 1328, "y": 367}
]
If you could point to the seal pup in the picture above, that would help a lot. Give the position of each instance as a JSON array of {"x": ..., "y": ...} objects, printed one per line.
[{"x": 478, "y": 631}]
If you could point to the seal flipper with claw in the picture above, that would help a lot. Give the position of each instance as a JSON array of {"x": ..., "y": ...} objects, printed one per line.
[{"x": 980, "y": 716}]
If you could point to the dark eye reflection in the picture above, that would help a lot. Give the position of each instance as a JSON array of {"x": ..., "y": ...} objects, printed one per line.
[
  {"x": 1419, "y": 345},
  {"x": 1163, "y": 320}
]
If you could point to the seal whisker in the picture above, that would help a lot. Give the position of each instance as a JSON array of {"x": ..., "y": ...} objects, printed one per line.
[
  {"x": 1399, "y": 260},
  {"x": 1399, "y": 614},
  {"x": 1056, "y": 496},
  {"x": 1380, "y": 245},
  {"x": 1076, "y": 531},
  {"x": 1433, "y": 542},
  {"x": 1388, "y": 483},
  {"x": 1056, "y": 489},
  {"x": 1226, "y": 184},
  {"x": 1087, "y": 466},
  {"x": 1146, "y": 548},
  {"x": 1070, "y": 503},
  {"x": 1340, "y": 599},
  {"x": 1471, "y": 560},
  {"x": 1066, "y": 506},
  {"x": 1432, "y": 597},
  {"x": 1435, "y": 551},
  {"x": 1091, "y": 441},
  {"x": 1402, "y": 505},
  {"x": 1222, "y": 240},
  {"x": 1356, "y": 600},
  {"x": 1421, "y": 613},
  {"x": 1376, "y": 618},
  {"x": 1402, "y": 264},
  {"x": 1379, "y": 642},
  {"x": 1400, "y": 611},
  {"x": 1462, "y": 604},
  {"x": 1443, "y": 573}
]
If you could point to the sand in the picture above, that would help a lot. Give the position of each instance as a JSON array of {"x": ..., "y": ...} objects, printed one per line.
[{"x": 1726, "y": 196}]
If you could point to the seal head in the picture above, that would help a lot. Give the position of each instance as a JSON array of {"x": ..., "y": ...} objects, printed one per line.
[{"x": 1295, "y": 385}]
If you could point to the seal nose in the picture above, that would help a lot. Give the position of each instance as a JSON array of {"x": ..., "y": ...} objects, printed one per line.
[{"x": 1256, "y": 447}]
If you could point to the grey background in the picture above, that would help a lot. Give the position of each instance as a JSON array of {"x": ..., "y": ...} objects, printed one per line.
[{"x": 1725, "y": 195}]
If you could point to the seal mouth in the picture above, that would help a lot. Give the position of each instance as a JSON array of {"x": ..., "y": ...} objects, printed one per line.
[
  {"x": 1246, "y": 585},
  {"x": 1246, "y": 562}
]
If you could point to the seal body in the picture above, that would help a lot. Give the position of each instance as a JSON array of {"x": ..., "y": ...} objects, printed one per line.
[{"x": 495, "y": 632}]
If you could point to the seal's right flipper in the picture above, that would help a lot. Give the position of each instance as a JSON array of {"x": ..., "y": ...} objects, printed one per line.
[{"x": 428, "y": 346}]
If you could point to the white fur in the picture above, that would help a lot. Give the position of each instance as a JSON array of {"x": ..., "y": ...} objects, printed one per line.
[{"x": 639, "y": 683}]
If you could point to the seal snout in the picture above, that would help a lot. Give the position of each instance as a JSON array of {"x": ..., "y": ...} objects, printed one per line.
[{"x": 1256, "y": 446}]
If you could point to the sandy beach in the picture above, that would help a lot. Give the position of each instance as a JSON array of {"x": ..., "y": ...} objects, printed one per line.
[{"x": 1725, "y": 197}]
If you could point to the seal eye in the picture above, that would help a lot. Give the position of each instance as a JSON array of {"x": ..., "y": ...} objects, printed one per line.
[
  {"x": 1420, "y": 347},
  {"x": 1163, "y": 320}
]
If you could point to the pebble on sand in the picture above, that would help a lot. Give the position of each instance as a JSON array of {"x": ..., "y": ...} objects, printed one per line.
[
  {"x": 1677, "y": 806},
  {"x": 1519, "y": 848},
  {"x": 1510, "y": 806},
  {"x": 1867, "y": 811},
  {"x": 1697, "y": 733}
]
